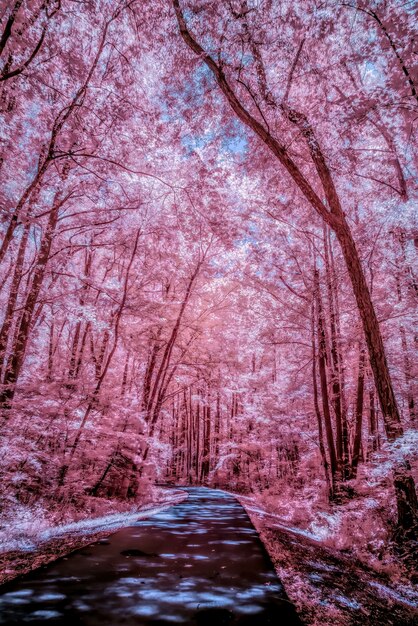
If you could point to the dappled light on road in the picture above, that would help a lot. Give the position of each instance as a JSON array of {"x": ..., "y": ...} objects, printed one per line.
[{"x": 200, "y": 562}]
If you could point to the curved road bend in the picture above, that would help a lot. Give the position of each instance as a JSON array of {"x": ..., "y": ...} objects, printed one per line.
[{"x": 198, "y": 562}]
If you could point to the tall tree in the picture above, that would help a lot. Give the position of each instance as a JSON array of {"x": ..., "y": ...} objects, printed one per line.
[{"x": 323, "y": 197}]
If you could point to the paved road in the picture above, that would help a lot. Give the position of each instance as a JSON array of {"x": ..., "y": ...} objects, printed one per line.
[{"x": 199, "y": 562}]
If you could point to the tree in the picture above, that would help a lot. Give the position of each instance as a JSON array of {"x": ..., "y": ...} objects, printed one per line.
[{"x": 330, "y": 209}]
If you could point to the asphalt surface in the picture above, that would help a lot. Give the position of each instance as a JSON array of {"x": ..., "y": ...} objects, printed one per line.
[{"x": 199, "y": 562}]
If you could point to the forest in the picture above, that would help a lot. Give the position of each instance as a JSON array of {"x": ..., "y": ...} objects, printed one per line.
[{"x": 208, "y": 254}]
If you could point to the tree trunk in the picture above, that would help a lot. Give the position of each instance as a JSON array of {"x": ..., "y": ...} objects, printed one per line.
[
  {"x": 359, "y": 415},
  {"x": 206, "y": 441},
  {"x": 407, "y": 366},
  {"x": 17, "y": 354},
  {"x": 324, "y": 383},
  {"x": 13, "y": 294},
  {"x": 317, "y": 410},
  {"x": 409, "y": 377},
  {"x": 155, "y": 396},
  {"x": 406, "y": 498},
  {"x": 372, "y": 333},
  {"x": 51, "y": 350},
  {"x": 198, "y": 446},
  {"x": 342, "y": 443},
  {"x": 76, "y": 349},
  {"x": 125, "y": 375},
  {"x": 373, "y": 426}
]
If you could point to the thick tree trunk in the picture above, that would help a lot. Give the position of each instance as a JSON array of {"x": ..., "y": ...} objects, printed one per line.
[{"x": 372, "y": 332}]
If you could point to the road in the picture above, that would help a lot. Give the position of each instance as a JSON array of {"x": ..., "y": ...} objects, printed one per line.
[{"x": 199, "y": 562}]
